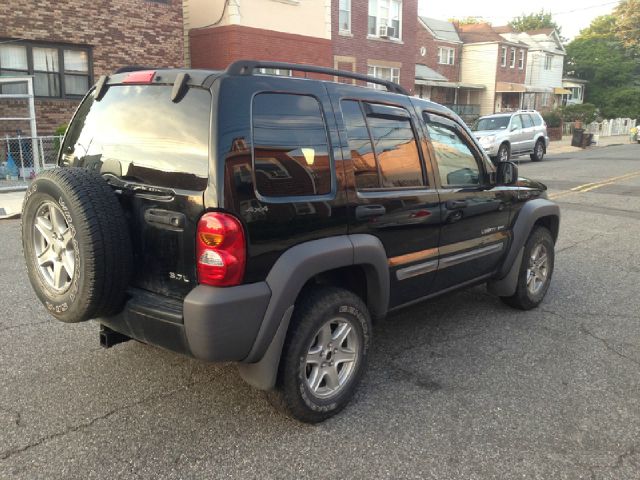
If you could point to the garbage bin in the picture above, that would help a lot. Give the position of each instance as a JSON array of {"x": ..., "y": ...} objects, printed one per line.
[
  {"x": 587, "y": 138},
  {"x": 577, "y": 138}
]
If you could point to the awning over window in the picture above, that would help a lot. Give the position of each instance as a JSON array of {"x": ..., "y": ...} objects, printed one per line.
[
  {"x": 508, "y": 87},
  {"x": 561, "y": 91}
]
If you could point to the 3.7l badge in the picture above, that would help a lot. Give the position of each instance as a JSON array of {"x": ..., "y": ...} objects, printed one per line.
[{"x": 179, "y": 277}]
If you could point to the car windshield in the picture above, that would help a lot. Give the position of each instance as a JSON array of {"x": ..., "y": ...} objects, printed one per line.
[{"x": 491, "y": 123}]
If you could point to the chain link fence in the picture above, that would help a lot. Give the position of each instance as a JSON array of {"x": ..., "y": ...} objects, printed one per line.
[{"x": 21, "y": 158}]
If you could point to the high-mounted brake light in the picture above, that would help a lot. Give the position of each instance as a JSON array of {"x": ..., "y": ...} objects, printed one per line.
[
  {"x": 142, "y": 76},
  {"x": 220, "y": 250}
]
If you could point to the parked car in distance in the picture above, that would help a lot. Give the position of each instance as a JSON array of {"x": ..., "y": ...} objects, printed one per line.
[
  {"x": 269, "y": 221},
  {"x": 507, "y": 135}
]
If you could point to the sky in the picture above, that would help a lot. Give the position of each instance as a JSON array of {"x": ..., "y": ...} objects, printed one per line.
[{"x": 570, "y": 15}]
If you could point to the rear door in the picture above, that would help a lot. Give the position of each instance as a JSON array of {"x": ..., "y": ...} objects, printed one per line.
[
  {"x": 529, "y": 131},
  {"x": 155, "y": 154},
  {"x": 390, "y": 189},
  {"x": 474, "y": 211},
  {"x": 517, "y": 135}
]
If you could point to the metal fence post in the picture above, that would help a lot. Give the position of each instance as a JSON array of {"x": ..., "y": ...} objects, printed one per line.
[{"x": 21, "y": 171}]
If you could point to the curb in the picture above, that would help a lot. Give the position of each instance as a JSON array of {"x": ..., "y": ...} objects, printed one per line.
[{"x": 13, "y": 189}]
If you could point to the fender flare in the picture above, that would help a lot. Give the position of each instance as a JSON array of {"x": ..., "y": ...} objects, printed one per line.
[
  {"x": 286, "y": 279},
  {"x": 505, "y": 282}
]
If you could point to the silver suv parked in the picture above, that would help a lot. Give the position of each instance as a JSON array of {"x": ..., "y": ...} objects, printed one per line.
[{"x": 506, "y": 135}]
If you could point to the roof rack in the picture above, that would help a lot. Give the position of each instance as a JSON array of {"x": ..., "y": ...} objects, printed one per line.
[{"x": 246, "y": 67}]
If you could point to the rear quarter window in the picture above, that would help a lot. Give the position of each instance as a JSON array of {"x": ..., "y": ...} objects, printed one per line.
[{"x": 290, "y": 146}]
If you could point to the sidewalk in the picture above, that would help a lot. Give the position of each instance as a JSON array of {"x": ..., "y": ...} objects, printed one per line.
[{"x": 564, "y": 145}]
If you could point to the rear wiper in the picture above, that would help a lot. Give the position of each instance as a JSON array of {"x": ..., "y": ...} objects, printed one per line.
[{"x": 134, "y": 187}]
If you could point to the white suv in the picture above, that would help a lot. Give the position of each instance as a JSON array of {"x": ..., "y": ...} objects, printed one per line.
[{"x": 506, "y": 135}]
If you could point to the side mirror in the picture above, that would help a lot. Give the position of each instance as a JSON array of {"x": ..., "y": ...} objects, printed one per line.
[{"x": 507, "y": 173}]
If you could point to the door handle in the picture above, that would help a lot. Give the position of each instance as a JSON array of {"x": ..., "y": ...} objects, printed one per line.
[
  {"x": 164, "y": 218},
  {"x": 456, "y": 204},
  {"x": 368, "y": 211}
]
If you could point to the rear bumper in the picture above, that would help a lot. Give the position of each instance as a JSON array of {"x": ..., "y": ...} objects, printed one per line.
[{"x": 213, "y": 324}]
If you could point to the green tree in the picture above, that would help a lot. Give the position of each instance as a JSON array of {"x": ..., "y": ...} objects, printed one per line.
[
  {"x": 466, "y": 21},
  {"x": 534, "y": 21},
  {"x": 622, "y": 102},
  {"x": 602, "y": 26},
  {"x": 627, "y": 15}
]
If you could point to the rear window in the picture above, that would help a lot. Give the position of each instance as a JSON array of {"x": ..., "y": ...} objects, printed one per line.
[
  {"x": 537, "y": 119},
  {"x": 138, "y": 133}
]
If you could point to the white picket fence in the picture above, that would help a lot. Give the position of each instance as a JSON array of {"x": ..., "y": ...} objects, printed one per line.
[{"x": 609, "y": 128}]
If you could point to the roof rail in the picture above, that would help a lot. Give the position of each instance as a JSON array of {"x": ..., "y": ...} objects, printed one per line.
[{"x": 246, "y": 67}]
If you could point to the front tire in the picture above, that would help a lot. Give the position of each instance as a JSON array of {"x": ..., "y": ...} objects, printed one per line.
[
  {"x": 324, "y": 356},
  {"x": 538, "y": 152},
  {"x": 504, "y": 153},
  {"x": 536, "y": 271}
]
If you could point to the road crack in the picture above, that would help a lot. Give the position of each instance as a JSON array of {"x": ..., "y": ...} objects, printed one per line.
[
  {"x": 14, "y": 451},
  {"x": 583, "y": 328}
]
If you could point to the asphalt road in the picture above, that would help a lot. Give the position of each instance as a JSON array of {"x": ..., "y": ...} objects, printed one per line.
[{"x": 461, "y": 387}]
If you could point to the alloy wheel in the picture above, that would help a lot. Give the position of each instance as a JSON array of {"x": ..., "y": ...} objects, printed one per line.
[
  {"x": 331, "y": 358},
  {"x": 538, "y": 270},
  {"x": 53, "y": 247}
]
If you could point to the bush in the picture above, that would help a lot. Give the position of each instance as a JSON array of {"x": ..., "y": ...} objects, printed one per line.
[
  {"x": 581, "y": 112},
  {"x": 552, "y": 119},
  {"x": 60, "y": 131},
  {"x": 622, "y": 102}
]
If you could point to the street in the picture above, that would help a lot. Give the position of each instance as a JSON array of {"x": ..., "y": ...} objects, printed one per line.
[{"x": 459, "y": 387}]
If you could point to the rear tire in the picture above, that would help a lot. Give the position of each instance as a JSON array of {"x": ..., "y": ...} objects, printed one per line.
[
  {"x": 538, "y": 151},
  {"x": 324, "y": 355},
  {"x": 536, "y": 271},
  {"x": 76, "y": 244}
]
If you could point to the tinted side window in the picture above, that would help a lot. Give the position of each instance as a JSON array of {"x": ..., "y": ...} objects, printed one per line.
[
  {"x": 393, "y": 162},
  {"x": 364, "y": 160},
  {"x": 290, "y": 146},
  {"x": 526, "y": 121},
  {"x": 456, "y": 163}
]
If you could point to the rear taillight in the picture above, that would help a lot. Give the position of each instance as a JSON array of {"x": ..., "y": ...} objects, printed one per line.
[{"x": 220, "y": 250}]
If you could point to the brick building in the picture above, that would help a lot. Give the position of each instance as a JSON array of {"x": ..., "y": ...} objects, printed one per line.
[
  {"x": 376, "y": 37},
  {"x": 497, "y": 63},
  {"x": 438, "y": 59},
  {"x": 281, "y": 30},
  {"x": 66, "y": 45}
]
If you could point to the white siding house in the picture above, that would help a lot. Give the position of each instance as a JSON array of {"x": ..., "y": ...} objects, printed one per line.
[
  {"x": 478, "y": 65},
  {"x": 544, "y": 68}
]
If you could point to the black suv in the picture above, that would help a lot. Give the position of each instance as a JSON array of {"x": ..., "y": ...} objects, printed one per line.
[{"x": 268, "y": 221}]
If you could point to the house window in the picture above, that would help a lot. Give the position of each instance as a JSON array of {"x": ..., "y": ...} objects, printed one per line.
[
  {"x": 503, "y": 57},
  {"x": 345, "y": 16},
  {"x": 576, "y": 93},
  {"x": 548, "y": 61},
  {"x": 512, "y": 58},
  {"x": 384, "y": 73},
  {"x": 521, "y": 60},
  {"x": 446, "y": 56},
  {"x": 385, "y": 18},
  {"x": 58, "y": 71}
]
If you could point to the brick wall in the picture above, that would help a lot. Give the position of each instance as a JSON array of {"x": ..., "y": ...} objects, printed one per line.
[
  {"x": 357, "y": 45},
  {"x": 120, "y": 32},
  {"x": 508, "y": 74},
  {"x": 217, "y": 47},
  {"x": 425, "y": 39}
]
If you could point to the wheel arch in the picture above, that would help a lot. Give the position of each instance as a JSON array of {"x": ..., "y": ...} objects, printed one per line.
[
  {"x": 538, "y": 212},
  {"x": 347, "y": 259}
]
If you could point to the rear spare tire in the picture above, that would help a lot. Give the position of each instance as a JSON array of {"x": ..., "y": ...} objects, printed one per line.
[{"x": 76, "y": 244}]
